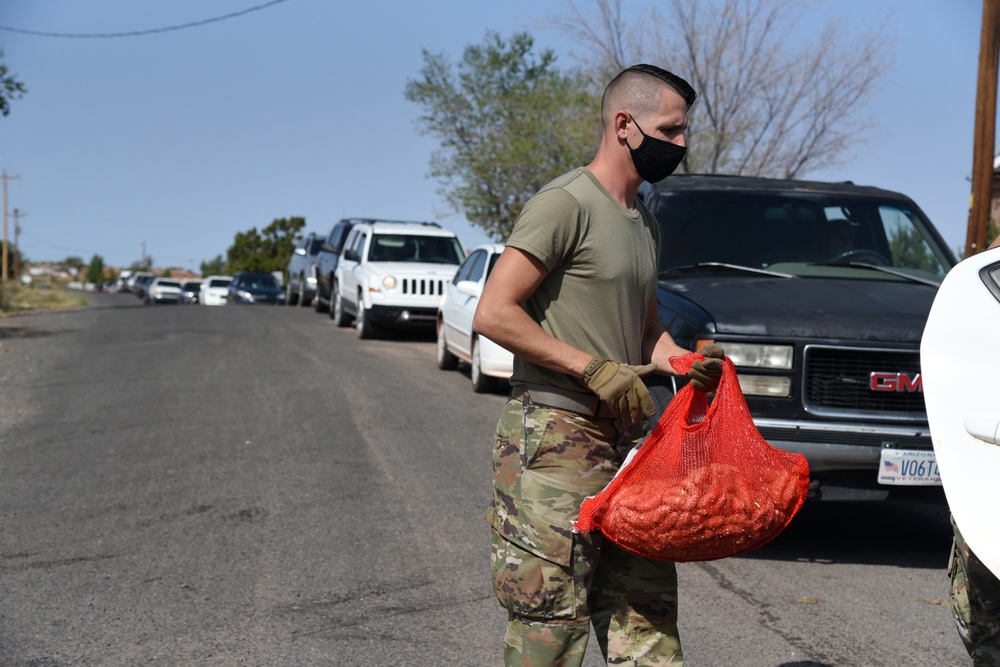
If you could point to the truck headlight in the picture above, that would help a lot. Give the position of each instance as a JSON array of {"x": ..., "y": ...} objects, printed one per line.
[
  {"x": 747, "y": 355},
  {"x": 765, "y": 385},
  {"x": 389, "y": 282}
]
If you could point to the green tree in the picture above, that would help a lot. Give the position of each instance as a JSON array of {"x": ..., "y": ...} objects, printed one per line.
[
  {"x": 10, "y": 88},
  {"x": 509, "y": 122},
  {"x": 214, "y": 266},
  {"x": 267, "y": 250},
  {"x": 75, "y": 263},
  {"x": 95, "y": 270}
]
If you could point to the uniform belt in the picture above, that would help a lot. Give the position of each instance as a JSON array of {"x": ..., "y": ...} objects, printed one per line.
[{"x": 563, "y": 399}]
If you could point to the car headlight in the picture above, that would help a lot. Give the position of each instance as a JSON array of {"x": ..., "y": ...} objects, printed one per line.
[
  {"x": 243, "y": 294},
  {"x": 389, "y": 282},
  {"x": 748, "y": 355}
]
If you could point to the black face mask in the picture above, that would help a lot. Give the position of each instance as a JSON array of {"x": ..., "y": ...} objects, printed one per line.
[{"x": 655, "y": 159}]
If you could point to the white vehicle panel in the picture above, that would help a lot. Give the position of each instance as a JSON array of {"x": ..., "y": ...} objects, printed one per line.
[{"x": 961, "y": 381}]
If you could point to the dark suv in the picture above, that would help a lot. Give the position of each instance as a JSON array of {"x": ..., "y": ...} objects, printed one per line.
[
  {"x": 326, "y": 262},
  {"x": 301, "y": 271},
  {"x": 819, "y": 293}
]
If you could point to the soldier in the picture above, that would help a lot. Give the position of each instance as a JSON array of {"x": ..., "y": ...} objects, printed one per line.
[
  {"x": 975, "y": 604},
  {"x": 573, "y": 296}
]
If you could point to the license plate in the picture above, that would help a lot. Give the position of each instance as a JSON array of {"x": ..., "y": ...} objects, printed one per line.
[{"x": 908, "y": 467}]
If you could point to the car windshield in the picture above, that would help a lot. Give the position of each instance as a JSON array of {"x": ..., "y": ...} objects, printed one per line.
[
  {"x": 191, "y": 286},
  {"x": 414, "y": 248},
  {"x": 315, "y": 245},
  {"x": 797, "y": 234},
  {"x": 219, "y": 282},
  {"x": 261, "y": 281},
  {"x": 169, "y": 283}
]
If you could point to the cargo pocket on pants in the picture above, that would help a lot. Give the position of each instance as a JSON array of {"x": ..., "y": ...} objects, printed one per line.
[{"x": 540, "y": 574}]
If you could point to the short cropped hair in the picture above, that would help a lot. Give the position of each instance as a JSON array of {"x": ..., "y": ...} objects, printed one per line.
[{"x": 631, "y": 89}]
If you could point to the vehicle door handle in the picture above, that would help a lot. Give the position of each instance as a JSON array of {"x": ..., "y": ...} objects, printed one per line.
[{"x": 983, "y": 429}]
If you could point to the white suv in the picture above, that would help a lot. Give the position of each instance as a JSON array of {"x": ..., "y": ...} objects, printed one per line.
[{"x": 393, "y": 274}]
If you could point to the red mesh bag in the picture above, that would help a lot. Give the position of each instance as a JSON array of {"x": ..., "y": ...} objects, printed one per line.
[{"x": 704, "y": 484}]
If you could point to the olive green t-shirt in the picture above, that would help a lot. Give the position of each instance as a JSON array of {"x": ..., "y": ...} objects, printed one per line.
[{"x": 601, "y": 261}]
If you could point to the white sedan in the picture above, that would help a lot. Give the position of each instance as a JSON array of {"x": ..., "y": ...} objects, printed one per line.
[
  {"x": 214, "y": 290},
  {"x": 456, "y": 342},
  {"x": 163, "y": 290}
]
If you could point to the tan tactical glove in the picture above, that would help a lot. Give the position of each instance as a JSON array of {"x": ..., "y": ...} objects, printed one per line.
[
  {"x": 705, "y": 375},
  {"x": 621, "y": 387}
]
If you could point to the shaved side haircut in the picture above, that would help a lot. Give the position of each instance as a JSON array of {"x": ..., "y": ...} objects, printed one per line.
[{"x": 631, "y": 89}]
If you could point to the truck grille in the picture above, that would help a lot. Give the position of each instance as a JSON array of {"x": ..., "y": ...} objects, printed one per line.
[
  {"x": 837, "y": 379},
  {"x": 423, "y": 286}
]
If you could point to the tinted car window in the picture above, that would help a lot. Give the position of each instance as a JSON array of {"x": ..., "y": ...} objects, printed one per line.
[
  {"x": 466, "y": 268},
  {"x": 262, "y": 280},
  {"x": 315, "y": 246},
  {"x": 414, "y": 248},
  {"x": 218, "y": 282},
  {"x": 478, "y": 264}
]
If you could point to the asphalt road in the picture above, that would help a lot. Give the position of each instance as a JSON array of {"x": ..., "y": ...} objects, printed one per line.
[{"x": 253, "y": 486}]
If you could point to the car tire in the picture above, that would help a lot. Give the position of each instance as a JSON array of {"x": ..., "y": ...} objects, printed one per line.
[
  {"x": 291, "y": 298},
  {"x": 303, "y": 301},
  {"x": 363, "y": 322},
  {"x": 481, "y": 384},
  {"x": 337, "y": 314},
  {"x": 446, "y": 361}
]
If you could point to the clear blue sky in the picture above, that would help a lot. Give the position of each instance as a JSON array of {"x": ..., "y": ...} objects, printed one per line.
[{"x": 181, "y": 139}]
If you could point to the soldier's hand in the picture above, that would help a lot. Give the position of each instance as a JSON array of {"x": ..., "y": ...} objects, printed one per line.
[
  {"x": 621, "y": 387},
  {"x": 705, "y": 375}
]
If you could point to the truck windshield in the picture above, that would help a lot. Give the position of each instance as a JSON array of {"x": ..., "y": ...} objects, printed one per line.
[{"x": 795, "y": 233}]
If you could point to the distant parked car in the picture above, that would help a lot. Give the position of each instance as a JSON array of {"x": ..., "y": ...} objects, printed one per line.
[
  {"x": 190, "y": 291},
  {"x": 255, "y": 287},
  {"x": 140, "y": 285},
  {"x": 213, "y": 290},
  {"x": 123, "y": 279},
  {"x": 301, "y": 287},
  {"x": 163, "y": 290},
  {"x": 131, "y": 279},
  {"x": 326, "y": 263},
  {"x": 456, "y": 341}
]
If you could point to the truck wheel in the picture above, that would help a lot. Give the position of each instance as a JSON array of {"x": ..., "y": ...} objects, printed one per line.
[
  {"x": 446, "y": 361},
  {"x": 363, "y": 321},
  {"x": 291, "y": 298}
]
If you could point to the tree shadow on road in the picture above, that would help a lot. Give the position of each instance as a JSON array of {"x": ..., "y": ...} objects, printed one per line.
[{"x": 14, "y": 332}]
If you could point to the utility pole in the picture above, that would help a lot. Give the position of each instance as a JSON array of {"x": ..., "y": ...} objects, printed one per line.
[
  {"x": 17, "y": 245},
  {"x": 3, "y": 270},
  {"x": 983, "y": 141}
]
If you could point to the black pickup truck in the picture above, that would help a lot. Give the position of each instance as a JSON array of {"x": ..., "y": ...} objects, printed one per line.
[{"x": 819, "y": 292}]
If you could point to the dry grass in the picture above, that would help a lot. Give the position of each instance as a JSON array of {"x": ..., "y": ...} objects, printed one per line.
[{"x": 15, "y": 298}]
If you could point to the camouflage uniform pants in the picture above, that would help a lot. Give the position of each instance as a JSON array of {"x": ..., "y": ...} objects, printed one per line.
[
  {"x": 555, "y": 583},
  {"x": 975, "y": 604}
]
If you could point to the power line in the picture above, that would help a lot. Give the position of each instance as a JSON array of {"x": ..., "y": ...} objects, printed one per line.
[{"x": 137, "y": 33}]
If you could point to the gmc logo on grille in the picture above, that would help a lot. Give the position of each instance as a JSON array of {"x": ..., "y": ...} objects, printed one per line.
[{"x": 900, "y": 382}]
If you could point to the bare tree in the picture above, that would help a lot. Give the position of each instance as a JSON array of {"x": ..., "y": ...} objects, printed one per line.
[{"x": 772, "y": 101}]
